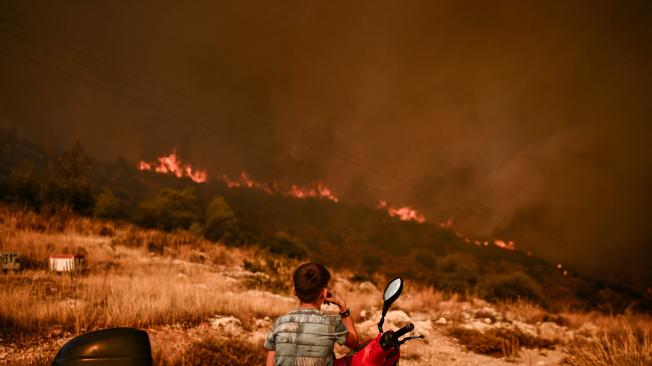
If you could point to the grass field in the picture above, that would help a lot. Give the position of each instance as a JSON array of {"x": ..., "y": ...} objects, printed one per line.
[{"x": 175, "y": 285}]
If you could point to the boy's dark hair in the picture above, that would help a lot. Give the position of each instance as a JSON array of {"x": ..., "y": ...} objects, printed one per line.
[{"x": 309, "y": 280}]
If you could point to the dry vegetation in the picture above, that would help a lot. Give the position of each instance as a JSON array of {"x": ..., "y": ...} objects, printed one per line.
[
  {"x": 175, "y": 284},
  {"x": 626, "y": 348},
  {"x": 497, "y": 342}
]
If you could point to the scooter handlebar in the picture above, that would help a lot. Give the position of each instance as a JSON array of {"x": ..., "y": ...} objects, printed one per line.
[{"x": 403, "y": 331}]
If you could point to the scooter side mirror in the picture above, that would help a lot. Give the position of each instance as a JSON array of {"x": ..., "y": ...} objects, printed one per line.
[{"x": 392, "y": 292}]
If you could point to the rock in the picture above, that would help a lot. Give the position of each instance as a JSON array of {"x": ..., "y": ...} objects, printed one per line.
[
  {"x": 588, "y": 329},
  {"x": 398, "y": 317},
  {"x": 550, "y": 331},
  {"x": 525, "y": 328},
  {"x": 227, "y": 324},
  {"x": 264, "y": 323},
  {"x": 441, "y": 321},
  {"x": 510, "y": 316},
  {"x": 487, "y": 320},
  {"x": 477, "y": 325},
  {"x": 569, "y": 335},
  {"x": 423, "y": 327}
]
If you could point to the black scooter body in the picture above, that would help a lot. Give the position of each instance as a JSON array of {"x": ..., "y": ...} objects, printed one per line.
[{"x": 107, "y": 347}]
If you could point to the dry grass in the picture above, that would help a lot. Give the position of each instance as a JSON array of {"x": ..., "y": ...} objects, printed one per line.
[
  {"x": 214, "y": 350},
  {"x": 497, "y": 342},
  {"x": 610, "y": 323},
  {"x": 420, "y": 298},
  {"x": 627, "y": 348},
  {"x": 126, "y": 285},
  {"x": 139, "y": 297},
  {"x": 150, "y": 279}
]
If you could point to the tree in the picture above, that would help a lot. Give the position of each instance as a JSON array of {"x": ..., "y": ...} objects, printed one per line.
[
  {"x": 24, "y": 184},
  {"x": 220, "y": 223},
  {"x": 107, "y": 205},
  {"x": 66, "y": 182},
  {"x": 169, "y": 209}
]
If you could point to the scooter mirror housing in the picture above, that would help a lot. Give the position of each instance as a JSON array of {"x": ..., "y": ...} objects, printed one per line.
[{"x": 392, "y": 292}]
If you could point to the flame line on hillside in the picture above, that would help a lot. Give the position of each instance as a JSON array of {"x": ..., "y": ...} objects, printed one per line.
[
  {"x": 318, "y": 190},
  {"x": 172, "y": 164}
]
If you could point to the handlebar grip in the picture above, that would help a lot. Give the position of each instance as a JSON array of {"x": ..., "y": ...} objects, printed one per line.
[{"x": 401, "y": 332}]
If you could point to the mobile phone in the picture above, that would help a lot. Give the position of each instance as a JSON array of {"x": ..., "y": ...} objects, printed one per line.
[{"x": 328, "y": 294}]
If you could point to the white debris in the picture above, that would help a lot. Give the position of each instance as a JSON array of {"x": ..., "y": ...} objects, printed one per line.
[{"x": 227, "y": 324}]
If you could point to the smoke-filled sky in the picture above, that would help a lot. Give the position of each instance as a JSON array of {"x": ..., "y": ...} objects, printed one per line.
[{"x": 529, "y": 121}]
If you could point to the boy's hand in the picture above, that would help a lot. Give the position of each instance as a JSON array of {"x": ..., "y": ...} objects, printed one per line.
[{"x": 336, "y": 299}]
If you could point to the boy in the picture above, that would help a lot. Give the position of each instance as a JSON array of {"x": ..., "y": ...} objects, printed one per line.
[{"x": 305, "y": 336}]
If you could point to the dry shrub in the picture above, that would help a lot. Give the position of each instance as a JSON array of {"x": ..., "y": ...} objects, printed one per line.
[
  {"x": 422, "y": 299},
  {"x": 631, "y": 347},
  {"x": 270, "y": 274},
  {"x": 522, "y": 310},
  {"x": 223, "y": 351},
  {"x": 497, "y": 342}
]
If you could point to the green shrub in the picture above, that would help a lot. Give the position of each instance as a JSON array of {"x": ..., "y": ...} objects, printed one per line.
[
  {"x": 169, "y": 209},
  {"x": 107, "y": 205},
  {"x": 456, "y": 272},
  {"x": 285, "y": 244},
  {"x": 511, "y": 287},
  {"x": 220, "y": 223}
]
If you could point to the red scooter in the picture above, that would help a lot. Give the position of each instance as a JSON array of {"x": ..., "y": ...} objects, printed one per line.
[{"x": 384, "y": 349}]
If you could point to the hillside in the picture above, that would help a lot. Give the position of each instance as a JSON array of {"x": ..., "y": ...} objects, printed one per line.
[
  {"x": 204, "y": 303},
  {"x": 362, "y": 240}
]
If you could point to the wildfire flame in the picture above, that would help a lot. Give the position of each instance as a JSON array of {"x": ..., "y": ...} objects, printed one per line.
[
  {"x": 319, "y": 190},
  {"x": 171, "y": 164},
  {"x": 405, "y": 213},
  {"x": 502, "y": 244},
  {"x": 509, "y": 245},
  {"x": 245, "y": 181}
]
